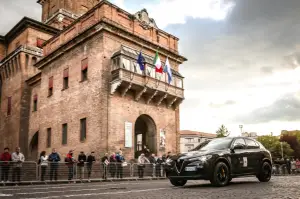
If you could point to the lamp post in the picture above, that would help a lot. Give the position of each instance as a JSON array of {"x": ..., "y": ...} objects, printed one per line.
[
  {"x": 281, "y": 150},
  {"x": 241, "y": 127}
]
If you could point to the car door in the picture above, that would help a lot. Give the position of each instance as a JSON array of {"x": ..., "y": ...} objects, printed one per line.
[
  {"x": 254, "y": 155},
  {"x": 239, "y": 157}
]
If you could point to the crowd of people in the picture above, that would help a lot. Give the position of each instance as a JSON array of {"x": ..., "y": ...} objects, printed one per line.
[
  {"x": 112, "y": 164},
  {"x": 292, "y": 166}
]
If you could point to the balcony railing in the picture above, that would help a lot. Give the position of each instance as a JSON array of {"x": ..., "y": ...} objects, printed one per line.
[{"x": 154, "y": 87}]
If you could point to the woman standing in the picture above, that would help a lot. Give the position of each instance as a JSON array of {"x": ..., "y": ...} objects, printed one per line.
[
  {"x": 44, "y": 164},
  {"x": 112, "y": 165}
]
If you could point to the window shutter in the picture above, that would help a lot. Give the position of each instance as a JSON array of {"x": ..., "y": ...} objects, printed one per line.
[
  {"x": 51, "y": 82},
  {"x": 39, "y": 42},
  {"x": 66, "y": 72},
  {"x": 35, "y": 97},
  {"x": 84, "y": 64},
  {"x": 8, "y": 105}
]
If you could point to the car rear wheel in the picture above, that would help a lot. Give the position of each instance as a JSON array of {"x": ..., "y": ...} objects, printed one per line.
[
  {"x": 265, "y": 172},
  {"x": 178, "y": 183},
  {"x": 221, "y": 175}
]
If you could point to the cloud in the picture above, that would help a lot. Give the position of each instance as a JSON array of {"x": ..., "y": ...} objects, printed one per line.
[
  {"x": 175, "y": 11},
  {"x": 220, "y": 105},
  {"x": 285, "y": 108},
  {"x": 12, "y": 11}
]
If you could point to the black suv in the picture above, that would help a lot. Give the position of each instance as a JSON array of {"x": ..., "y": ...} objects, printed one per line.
[{"x": 220, "y": 160}]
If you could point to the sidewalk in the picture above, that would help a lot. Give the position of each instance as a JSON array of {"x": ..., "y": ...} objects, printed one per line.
[{"x": 80, "y": 181}]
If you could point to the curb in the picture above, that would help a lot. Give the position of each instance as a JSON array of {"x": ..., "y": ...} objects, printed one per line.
[{"x": 77, "y": 181}]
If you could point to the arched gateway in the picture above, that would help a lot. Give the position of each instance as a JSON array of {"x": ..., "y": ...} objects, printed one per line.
[
  {"x": 145, "y": 135},
  {"x": 33, "y": 146}
]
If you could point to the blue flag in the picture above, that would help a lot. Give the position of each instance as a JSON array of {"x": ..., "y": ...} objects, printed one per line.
[{"x": 141, "y": 61}]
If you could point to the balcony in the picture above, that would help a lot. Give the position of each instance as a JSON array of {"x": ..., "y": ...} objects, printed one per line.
[{"x": 127, "y": 78}]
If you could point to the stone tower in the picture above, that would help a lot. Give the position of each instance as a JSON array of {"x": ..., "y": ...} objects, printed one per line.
[{"x": 61, "y": 13}]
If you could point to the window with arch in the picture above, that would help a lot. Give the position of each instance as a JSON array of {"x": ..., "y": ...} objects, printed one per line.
[
  {"x": 26, "y": 61},
  {"x": 34, "y": 60}
]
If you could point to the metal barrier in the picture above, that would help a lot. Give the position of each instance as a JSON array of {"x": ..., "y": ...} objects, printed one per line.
[
  {"x": 14, "y": 172},
  {"x": 148, "y": 170}
]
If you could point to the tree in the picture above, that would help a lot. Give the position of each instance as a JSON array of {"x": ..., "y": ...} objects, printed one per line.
[
  {"x": 292, "y": 140},
  {"x": 272, "y": 143},
  {"x": 222, "y": 132}
]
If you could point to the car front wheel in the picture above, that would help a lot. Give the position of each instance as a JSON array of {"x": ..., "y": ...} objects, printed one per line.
[
  {"x": 178, "y": 183},
  {"x": 221, "y": 175},
  {"x": 265, "y": 172}
]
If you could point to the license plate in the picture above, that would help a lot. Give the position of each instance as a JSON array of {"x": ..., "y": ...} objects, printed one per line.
[{"x": 190, "y": 168}]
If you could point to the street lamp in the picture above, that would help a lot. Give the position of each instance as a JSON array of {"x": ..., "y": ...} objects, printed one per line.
[
  {"x": 281, "y": 150},
  {"x": 241, "y": 127}
]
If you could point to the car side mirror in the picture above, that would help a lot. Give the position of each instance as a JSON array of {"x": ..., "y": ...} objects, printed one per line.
[{"x": 237, "y": 146}]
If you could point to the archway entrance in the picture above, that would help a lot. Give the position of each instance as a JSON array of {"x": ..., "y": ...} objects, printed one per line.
[
  {"x": 145, "y": 135},
  {"x": 34, "y": 144}
]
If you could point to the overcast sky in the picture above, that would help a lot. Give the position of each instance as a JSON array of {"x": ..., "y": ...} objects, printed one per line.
[{"x": 243, "y": 58}]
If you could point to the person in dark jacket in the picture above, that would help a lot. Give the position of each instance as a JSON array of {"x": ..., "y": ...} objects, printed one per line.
[
  {"x": 5, "y": 158},
  {"x": 112, "y": 165},
  {"x": 81, "y": 160},
  {"x": 70, "y": 162},
  {"x": 53, "y": 159},
  {"x": 105, "y": 163},
  {"x": 120, "y": 159},
  {"x": 90, "y": 160}
]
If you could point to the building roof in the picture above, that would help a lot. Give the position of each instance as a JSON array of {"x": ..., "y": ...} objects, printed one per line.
[
  {"x": 197, "y": 133},
  {"x": 133, "y": 53},
  {"x": 28, "y": 22}
]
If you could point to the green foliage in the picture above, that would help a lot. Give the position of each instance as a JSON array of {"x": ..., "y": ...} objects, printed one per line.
[
  {"x": 222, "y": 132},
  {"x": 272, "y": 143}
]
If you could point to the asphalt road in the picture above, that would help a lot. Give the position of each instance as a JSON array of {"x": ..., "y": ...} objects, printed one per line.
[{"x": 279, "y": 187}]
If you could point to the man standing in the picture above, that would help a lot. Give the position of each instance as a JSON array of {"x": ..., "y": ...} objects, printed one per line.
[
  {"x": 105, "y": 163},
  {"x": 5, "y": 158},
  {"x": 53, "y": 159},
  {"x": 142, "y": 160},
  {"x": 17, "y": 158},
  {"x": 90, "y": 160},
  {"x": 81, "y": 161},
  {"x": 70, "y": 161}
]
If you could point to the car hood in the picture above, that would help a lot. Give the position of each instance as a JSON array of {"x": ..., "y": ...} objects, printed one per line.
[{"x": 193, "y": 154}]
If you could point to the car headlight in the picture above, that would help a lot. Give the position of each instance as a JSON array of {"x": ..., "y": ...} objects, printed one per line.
[{"x": 201, "y": 158}]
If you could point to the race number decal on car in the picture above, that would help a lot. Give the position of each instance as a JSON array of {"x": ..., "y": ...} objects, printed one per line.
[{"x": 245, "y": 162}]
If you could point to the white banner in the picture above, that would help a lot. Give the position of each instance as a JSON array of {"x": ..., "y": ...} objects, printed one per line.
[{"x": 128, "y": 135}]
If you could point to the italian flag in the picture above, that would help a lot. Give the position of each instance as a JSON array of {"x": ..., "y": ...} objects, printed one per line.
[{"x": 157, "y": 64}]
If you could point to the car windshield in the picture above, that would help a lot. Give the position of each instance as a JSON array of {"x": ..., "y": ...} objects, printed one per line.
[{"x": 218, "y": 144}]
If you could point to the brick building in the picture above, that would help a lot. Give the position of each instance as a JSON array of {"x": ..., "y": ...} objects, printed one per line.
[{"x": 72, "y": 82}]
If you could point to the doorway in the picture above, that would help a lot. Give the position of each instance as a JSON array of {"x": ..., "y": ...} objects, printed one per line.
[
  {"x": 34, "y": 144},
  {"x": 145, "y": 135}
]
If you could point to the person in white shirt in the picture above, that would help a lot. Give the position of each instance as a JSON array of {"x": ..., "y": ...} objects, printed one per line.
[
  {"x": 17, "y": 159},
  {"x": 44, "y": 164},
  {"x": 142, "y": 160}
]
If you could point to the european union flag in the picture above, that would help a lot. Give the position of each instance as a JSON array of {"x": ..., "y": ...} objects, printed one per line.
[{"x": 141, "y": 62}]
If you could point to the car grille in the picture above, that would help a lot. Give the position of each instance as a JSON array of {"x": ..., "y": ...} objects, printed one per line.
[{"x": 179, "y": 165}]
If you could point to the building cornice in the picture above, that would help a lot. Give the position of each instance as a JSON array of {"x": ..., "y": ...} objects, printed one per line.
[
  {"x": 34, "y": 79},
  {"x": 24, "y": 48},
  {"x": 64, "y": 13},
  {"x": 28, "y": 22}
]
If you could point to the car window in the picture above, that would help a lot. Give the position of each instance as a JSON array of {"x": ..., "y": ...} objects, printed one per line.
[
  {"x": 218, "y": 144},
  {"x": 251, "y": 144},
  {"x": 240, "y": 141}
]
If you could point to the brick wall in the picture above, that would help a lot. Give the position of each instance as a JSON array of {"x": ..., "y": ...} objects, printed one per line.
[
  {"x": 3, "y": 50},
  {"x": 80, "y": 100}
]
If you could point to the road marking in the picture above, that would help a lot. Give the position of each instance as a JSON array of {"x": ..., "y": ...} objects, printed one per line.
[
  {"x": 98, "y": 194},
  {"x": 71, "y": 185},
  {"x": 6, "y": 195},
  {"x": 62, "y": 191}
]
